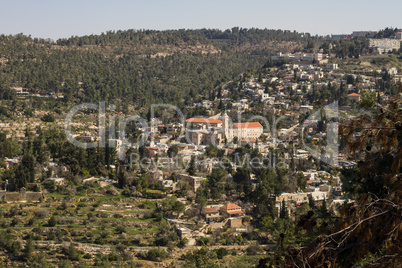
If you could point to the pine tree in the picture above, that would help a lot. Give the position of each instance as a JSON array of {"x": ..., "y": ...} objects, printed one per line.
[
  {"x": 107, "y": 154},
  {"x": 191, "y": 168},
  {"x": 284, "y": 211},
  {"x": 378, "y": 98},
  {"x": 122, "y": 179},
  {"x": 29, "y": 249},
  {"x": 311, "y": 201},
  {"x": 323, "y": 209}
]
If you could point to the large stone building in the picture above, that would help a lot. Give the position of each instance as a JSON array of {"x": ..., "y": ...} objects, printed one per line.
[
  {"x": 384, "y": 45},
  {"x": 203, "y": 123},
  {"x": 214, "y": 131},
  {"x": 204, "y": 137},
  {"x": 248, "y": 130},
  {"x": 202, "y": 131}
]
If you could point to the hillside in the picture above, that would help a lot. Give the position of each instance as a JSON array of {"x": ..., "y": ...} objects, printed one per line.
[{"x": 140, "y": 67}]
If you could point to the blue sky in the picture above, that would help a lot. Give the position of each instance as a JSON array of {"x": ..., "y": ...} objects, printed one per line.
[{"x": 57, "y": 19}]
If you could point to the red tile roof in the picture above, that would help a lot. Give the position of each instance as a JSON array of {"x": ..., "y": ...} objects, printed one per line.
[
  {"x": 248, "y": 125},
  {"x": 210, "y": 210},
  {"x": 204, "y": 120},
  {"x": 230, "y": 206},
  {"x": 354, "y": 95},
  {"x": 235, "y": 212}
]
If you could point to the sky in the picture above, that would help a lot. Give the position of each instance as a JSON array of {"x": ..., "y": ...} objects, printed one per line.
[{"x": 62, "y": 19}]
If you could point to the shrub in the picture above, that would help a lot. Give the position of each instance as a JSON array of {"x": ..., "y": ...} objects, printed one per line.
[
  {"x": 73, "y": 253},
  {"x": 14, "y": 222},
  {"x": 52, "y": 222},
  {"x": 63, "y": 206},
  {"x": 126, "y": 192},
  {"x": 156, "y": 254},
  {"x": 48, "y": 118},
  {"x": 120, "y": 229},
  {"x": 182, "y": 243},
  {"x": 31, "y": 221},
  {"x": 253, "y": 250},
  {"x": 203, "y": 241},
  {"x": 81, "y": 205},
  {"x": 104, "y": 234},
  {"x": 13, "y": 211},
  {"x": 221, "y": 252},
  {"x": 42, "y": 213},
  {"x": 15, "y": 247}
]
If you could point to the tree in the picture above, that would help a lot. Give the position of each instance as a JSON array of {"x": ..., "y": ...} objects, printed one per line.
[
  {"x": 216, "y": 182},
  {"x": 323, "y": 209},
  {"x": 211, "y": 151},
  {"x": 172, "y": 151},
  {"x": 72, "y": 253},
  {"x": 263, "y": 198},
  {"x": 6, "y": 93},
  {"x": 310, "y": 44},
  {"x": 281, "y": 182},
  {"x": 265, "y": 224},
  {"x": 191, "y": 168},
  {"x": 375, "y": 183},
  {"x": 350, "y": 80},
  {"x": 52, "y": 222},
  {"x": 170, "y": 204},
  {"x": 28, "y": 249},
  {"x": 122, "y": 179},
  {"x": 25, "y": 172},
  {"x": 202, "y": 258},
  {"x": 48, "y": 118},
  {"x": 221, "y": 252},
  {"x": 284, "y": 211},
  {"x": 235, "y": 139},
  {"x": 301, "y": 181},
  {"x": 378, "y": 148},
  {"x": 242, "y": 179},
  {"x": 311, "y": 201},
  {"x": 368, "y": 99},
  {"x": 8, "y": 147},
  {"x": 156, "y": 254},
  {"x": 144, "y": 152}
]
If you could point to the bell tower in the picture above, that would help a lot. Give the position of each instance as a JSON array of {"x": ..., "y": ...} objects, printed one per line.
[{"x": 225, "y": 126}]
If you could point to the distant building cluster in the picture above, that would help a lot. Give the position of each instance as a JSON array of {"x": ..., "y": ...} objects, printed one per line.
[
  {"x": 379, "y": 46},
  {"x": 298, "y": 56},
  {"x": 385, "y": 45}
]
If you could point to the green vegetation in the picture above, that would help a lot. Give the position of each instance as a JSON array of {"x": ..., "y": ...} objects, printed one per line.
[
  {"x": 104, "y": 213},
  {"x": 133, "y": 67}
]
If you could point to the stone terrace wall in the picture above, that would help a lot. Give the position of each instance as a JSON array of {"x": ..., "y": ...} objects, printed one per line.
[
  {"x": 21, "y": 197},
  {"x": 384, "y": 43}
]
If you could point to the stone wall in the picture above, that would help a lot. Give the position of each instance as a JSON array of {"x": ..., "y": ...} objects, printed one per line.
[
  {"x": 391, "y": 43},
  {"x": 21, "y": 196},
  {"x": 235, "y": 222}
]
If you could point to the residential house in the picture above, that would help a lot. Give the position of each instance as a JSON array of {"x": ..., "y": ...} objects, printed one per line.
[
  {"x": 211, "y": 214},
  {"x": 354, "y": 96},
  {"x": 231, "y": 210}
]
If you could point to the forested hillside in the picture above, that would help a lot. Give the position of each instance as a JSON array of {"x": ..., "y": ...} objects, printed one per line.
[{"x": 138, "y": 67}]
